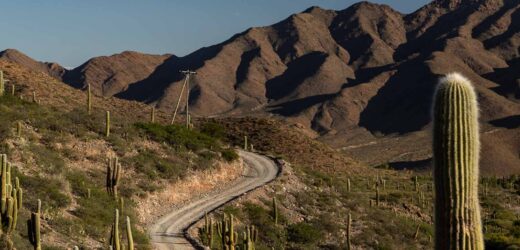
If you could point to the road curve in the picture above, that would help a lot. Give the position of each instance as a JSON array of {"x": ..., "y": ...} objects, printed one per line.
[{"x": 168, "y": 232}]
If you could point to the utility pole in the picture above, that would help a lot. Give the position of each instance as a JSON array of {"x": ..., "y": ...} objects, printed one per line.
[{"x": 187, "y": 74}]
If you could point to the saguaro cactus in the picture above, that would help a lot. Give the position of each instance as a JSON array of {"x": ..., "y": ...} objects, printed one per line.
[
  {"x": 349, "y": 227},
  {"x": 2, "y": 83},
  {"x": 113, "y": 175},
  {"x": 152, "y": 115},
  {"x": 107, "y": 124},
  {"x": 275, "y": 211},
  {"x": 456, "y": 156},
  {"x": 250, "y": 236},
  {"x": 89, "y": 99},
  {"x": 114, "y": 235},
  {"x": 227, "y": 233},
  {"x": 207, "y": 231},
  {"x": 129, "y": 236},
  {"x": 33, "y": 228},
  {"x": 11, "y": 198}
]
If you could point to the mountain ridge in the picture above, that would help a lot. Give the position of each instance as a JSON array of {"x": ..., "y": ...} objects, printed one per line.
[{"x": 350, "y": 75}]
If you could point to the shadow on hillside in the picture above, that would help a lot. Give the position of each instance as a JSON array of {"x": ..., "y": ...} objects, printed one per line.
[
  {"x": 507, "y": 79},
  {"x": 403, "y": 104},
  {"x": 296, "y": 106},
  {"x": 411, "y": 165},
  {"x": 297, "y": 71},
  {"x": 153, "y": 87},
  {"x": 507, "y": 122}
]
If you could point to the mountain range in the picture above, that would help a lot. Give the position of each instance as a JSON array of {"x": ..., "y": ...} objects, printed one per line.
[{"x": 360, "y": 79}]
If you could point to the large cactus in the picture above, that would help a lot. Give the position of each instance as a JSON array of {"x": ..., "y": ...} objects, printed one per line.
[
  {"x": 456, "y": 156},
  {"x": 11, "y": 198},
  {"x": 113, "y": 175},
  {"x": 226, "y": 231},
  {"x": 115, "y": 242},
  {"x": 33, "y": 228},
  {"x": 207, "y": 231},
  {"x": 250, "y": 237},
  {"x": 129, "y": 235}
]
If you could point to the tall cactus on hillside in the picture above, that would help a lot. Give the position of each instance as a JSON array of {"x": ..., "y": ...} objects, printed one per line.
[
  {"x": 456, "y": 156},
  {"x": 275, "y": 211},
  {"x": 107, "y": 124},
  {"x": 152, "y": 115},
  {"x": 2, "y": 83},
  {"x": 129, "y": 235},
  {"x": 89, "y": 99},
  {"x": 114, "y": 234},
  {"x": 11, "y": 198},
  {"x": 226, "y": 231},
  {"x": 33, "y": 227},
  {"x": 113, "y": 175}
]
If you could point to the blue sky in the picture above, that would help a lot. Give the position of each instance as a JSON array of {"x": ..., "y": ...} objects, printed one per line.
[{"x": 72, "y": 31}]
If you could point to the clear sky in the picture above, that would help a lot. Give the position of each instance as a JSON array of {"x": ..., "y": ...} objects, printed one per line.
[{"x": 72, "y": 31}]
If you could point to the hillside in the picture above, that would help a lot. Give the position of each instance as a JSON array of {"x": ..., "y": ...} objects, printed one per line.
[
  {"x": 59, "y": 153},
  {"x": 358, "y": 77}
]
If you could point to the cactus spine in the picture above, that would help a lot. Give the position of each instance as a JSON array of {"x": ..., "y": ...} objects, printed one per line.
[
  {"x": 89, "y": 99},
  {"x": 33, "y": 228},
  {"x": 129, "y": 236},
  {"x": 456, "y": 156},
  {"x": 107, "y": 124},
  {"x": 113, "y": 175}
]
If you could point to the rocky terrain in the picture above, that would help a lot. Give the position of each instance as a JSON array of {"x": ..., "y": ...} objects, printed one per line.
[{"x": 357, "y": 78}]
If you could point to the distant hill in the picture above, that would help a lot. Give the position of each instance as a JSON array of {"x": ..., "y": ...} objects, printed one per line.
[{"x": 357, "y": 77}]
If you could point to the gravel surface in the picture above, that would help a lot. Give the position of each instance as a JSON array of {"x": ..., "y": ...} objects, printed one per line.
[{"x": 168, "y": 231}]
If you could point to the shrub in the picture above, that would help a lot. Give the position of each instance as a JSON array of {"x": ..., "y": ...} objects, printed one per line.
[
  {"x": 179, "y": 136},
  {"x": 303, "y": 233},
  {"x": 229, "y": 155}
]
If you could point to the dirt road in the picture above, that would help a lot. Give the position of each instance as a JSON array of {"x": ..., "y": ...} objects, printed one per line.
[{"x": 168, "y": 231}]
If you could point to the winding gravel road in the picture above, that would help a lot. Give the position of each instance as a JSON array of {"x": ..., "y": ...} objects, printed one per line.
[{"x": 168, "y": 231}]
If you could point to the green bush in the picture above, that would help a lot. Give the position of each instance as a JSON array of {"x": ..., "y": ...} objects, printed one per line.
[
  {"x": 303, "y": 233},
  {"x": 213, "y": 129},
  {"x": 229, "y": 155},
  {"x": 179, "y": 136},
  {"x": 153, "y": 166}
]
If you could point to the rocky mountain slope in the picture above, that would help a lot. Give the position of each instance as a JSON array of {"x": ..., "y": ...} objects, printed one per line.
[{"x": 353, "y": 76}]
